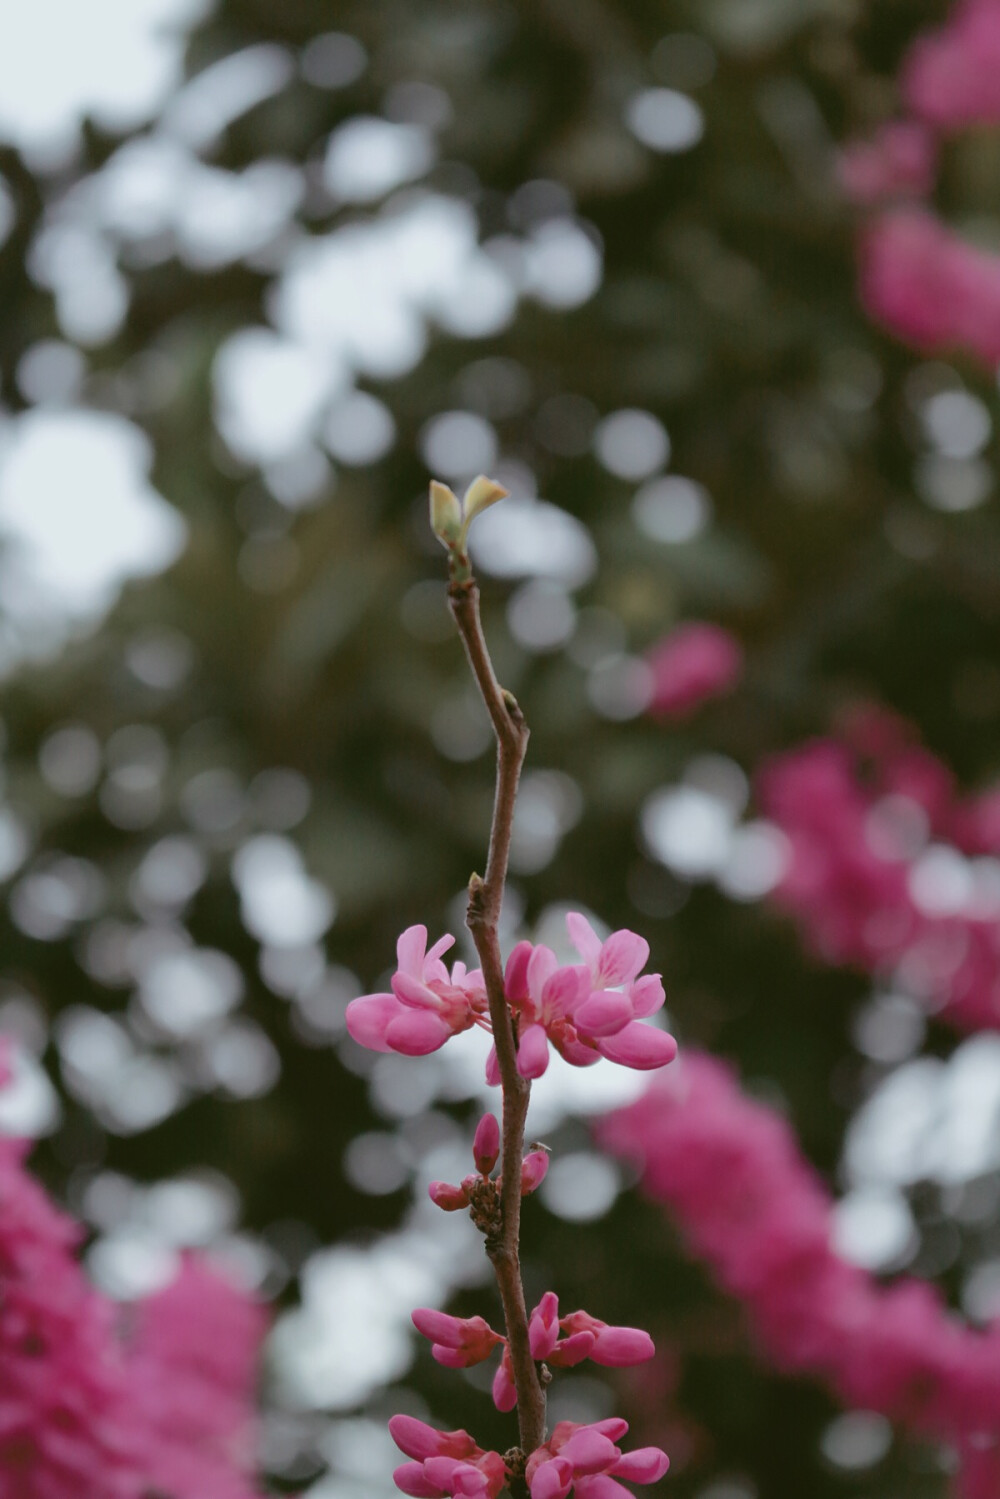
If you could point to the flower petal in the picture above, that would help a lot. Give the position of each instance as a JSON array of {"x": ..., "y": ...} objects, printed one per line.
[
  {"x": 643, "y": 1047},
  {"x": 533, "y": 1051},
  {"x": 410, "y": 948},
  {"x": 584, "y": 938},
  {"x": 605, "y": 1013},
  {"x": 368, "y": 1018},
  {"x": 644, "y": 1465},
  {"x": 416, "y": 1033},
  {"x": 623, "y": 956}
]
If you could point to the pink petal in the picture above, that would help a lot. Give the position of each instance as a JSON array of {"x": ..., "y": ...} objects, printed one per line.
[
  {"x": 493, "y": 1068},
  {"x": 620, "y": 1347},
  {"x": 600, "y": 1486},
  {"x": 647, "y": 995},
  {"x": 644, "y": 1465},
  {"x": 414, "y": 992},
  {"x": 486, "y": 1145},
  {"x": 441, "y": 945},
  {"x": 416, "y": 1438},
  {"x": 572, "y": 1350},
  {"x": 410, "y": 949},
  {"x": 613, "y": 1427},
  {"x": 533, "y": 1052},
  {"x": 451, "y": 1358},
  {"x": 543, "y": 1326},
  {"x": 640, "y": 1046},
  {"x": 448, "y": 1196},
  {"x": 564, "y": 989},
  {"x": 504, "y": 1390},
  {"x": 533, "y": 1169},
  {"x": 417, "y": 1033},
  {"x": 579, "y": 1053},
  {"x": 623, "y": 956},
  {"x": 590, "y": 1451},
  {"x": 515, "y": 982},
  {"x": 552, "y": 1480},
  {"x": 604, "y": 1014},
  {"x": 438, "y": 1326},
  {"x": 541, "y": 966},
  {"x": 369, "y": 1016},
  {"x": 583, "y": 937},
  {"x": 411, "y": 1478},
  {"x": 441, "y": 1471}
]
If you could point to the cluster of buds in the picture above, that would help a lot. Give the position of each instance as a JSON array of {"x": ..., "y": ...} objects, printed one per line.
[
  {"x": 587, "y": 1010},
  {"x": 581, "y": 1458},
  {"x": 480, "y": 1190}
]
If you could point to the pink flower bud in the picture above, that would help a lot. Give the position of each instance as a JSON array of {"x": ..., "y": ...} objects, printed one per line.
[
  {"x": 459, "y": 1342},
  {"x": 533, "y": 1169},
  {"x": 486, "y": 1145},
  {"x": 543, "y": 1326},
  {"x": 572, "y": 1350},
  {"x": 420, "y": 1441},
  {"x": 644, "y": 1465},
  {"x": 504, "y": 1389},
  {"x": 448, "y": 1197}
]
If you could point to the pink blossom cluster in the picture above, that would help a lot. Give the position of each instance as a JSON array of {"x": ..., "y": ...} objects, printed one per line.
[
  {"x": 560, "y": 1342},
  {"x": 730, "y": 1170},
  {"x": 579, "y": 1458},
  {"x": 485, "y": 1154},
  {"x": 86, "y": 1413},
  {"x": 929, "y": 286},
  {"x": 951, "y": 76},
  {"x": 889, "y": 869},
  {"x": 696, "y": 662},
  {"x": 585, "y": 1010},
  {"x": 918, "y": 278}
]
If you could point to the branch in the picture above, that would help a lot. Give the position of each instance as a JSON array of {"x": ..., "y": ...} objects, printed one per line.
[{"x": 483, "y": 919}]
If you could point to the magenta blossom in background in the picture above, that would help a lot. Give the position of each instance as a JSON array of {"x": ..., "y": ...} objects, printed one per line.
[
  {"x": 900, "y": 161},
  {"x": 929, "y": 287},
  {"x": 693, "y": 664},
  {"x": 951, "y": 77},
  {"x": 730, "y": 1170}
]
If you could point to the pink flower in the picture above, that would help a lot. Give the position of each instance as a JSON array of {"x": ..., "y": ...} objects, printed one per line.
[
  {"x": 586, "y": 1337},
  {"x": 444, "y": 1462},
  {"x": 457, "y": 1342},
  {"x": 577, "y": 1010},
  {"x": 899, "y": 161},
  {"x": 951, "y": 77},
  {"x": 586, "y": 1459},
  {"x": 929, "y": 287},
  {"x": 693, "y": 664},
  {"x": 427, "y": 1004}
]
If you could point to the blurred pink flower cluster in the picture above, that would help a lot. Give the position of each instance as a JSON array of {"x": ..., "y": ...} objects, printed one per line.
[
  {"x": 696, "y": 662},
  {"x": 918, "y": 277},
  {"x": 752, "y": 1207},
  {"x": 86, "y": 1413},
  {"x": 585, "y": 1010},
  {"x": 889, "y": 869}
]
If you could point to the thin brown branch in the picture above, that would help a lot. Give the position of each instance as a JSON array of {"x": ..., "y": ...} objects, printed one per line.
[{"x": 483, "y": 919}]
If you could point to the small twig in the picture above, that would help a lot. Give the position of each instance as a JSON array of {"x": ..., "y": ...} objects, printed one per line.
[{"x": 483, "y": 920}]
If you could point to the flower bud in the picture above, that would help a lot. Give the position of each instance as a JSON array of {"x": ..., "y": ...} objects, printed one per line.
[
  {"x": 447, "y": 1196},
  {"x": 486, "y": 1145},
  {"x": 533, "y": 1169}
]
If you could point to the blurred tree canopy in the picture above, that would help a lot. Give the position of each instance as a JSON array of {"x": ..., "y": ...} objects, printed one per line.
[{"x": 230, "y": 791}]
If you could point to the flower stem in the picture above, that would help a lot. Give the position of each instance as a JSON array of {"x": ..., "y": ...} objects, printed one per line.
[{"x": 483, "y": 920}]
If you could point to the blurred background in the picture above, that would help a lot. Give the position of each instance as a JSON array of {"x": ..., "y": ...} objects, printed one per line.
[{"x": 266, "y": 268}]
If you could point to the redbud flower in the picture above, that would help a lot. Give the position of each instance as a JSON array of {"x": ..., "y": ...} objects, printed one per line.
[
  {"x": 457, "y": 1342},
  {"x": 427, "y": 1004},
  {"x": 533, "y": 1169},
  {"x": 447, "y": 1196},
  {"x": 586, "y": 1459},
  {"x": 445, "y": 1462},
  {"x": 486, "y": 1145},
  {"x": 614, "y": 1347},
  {"x": 504, "y": 1390}
]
